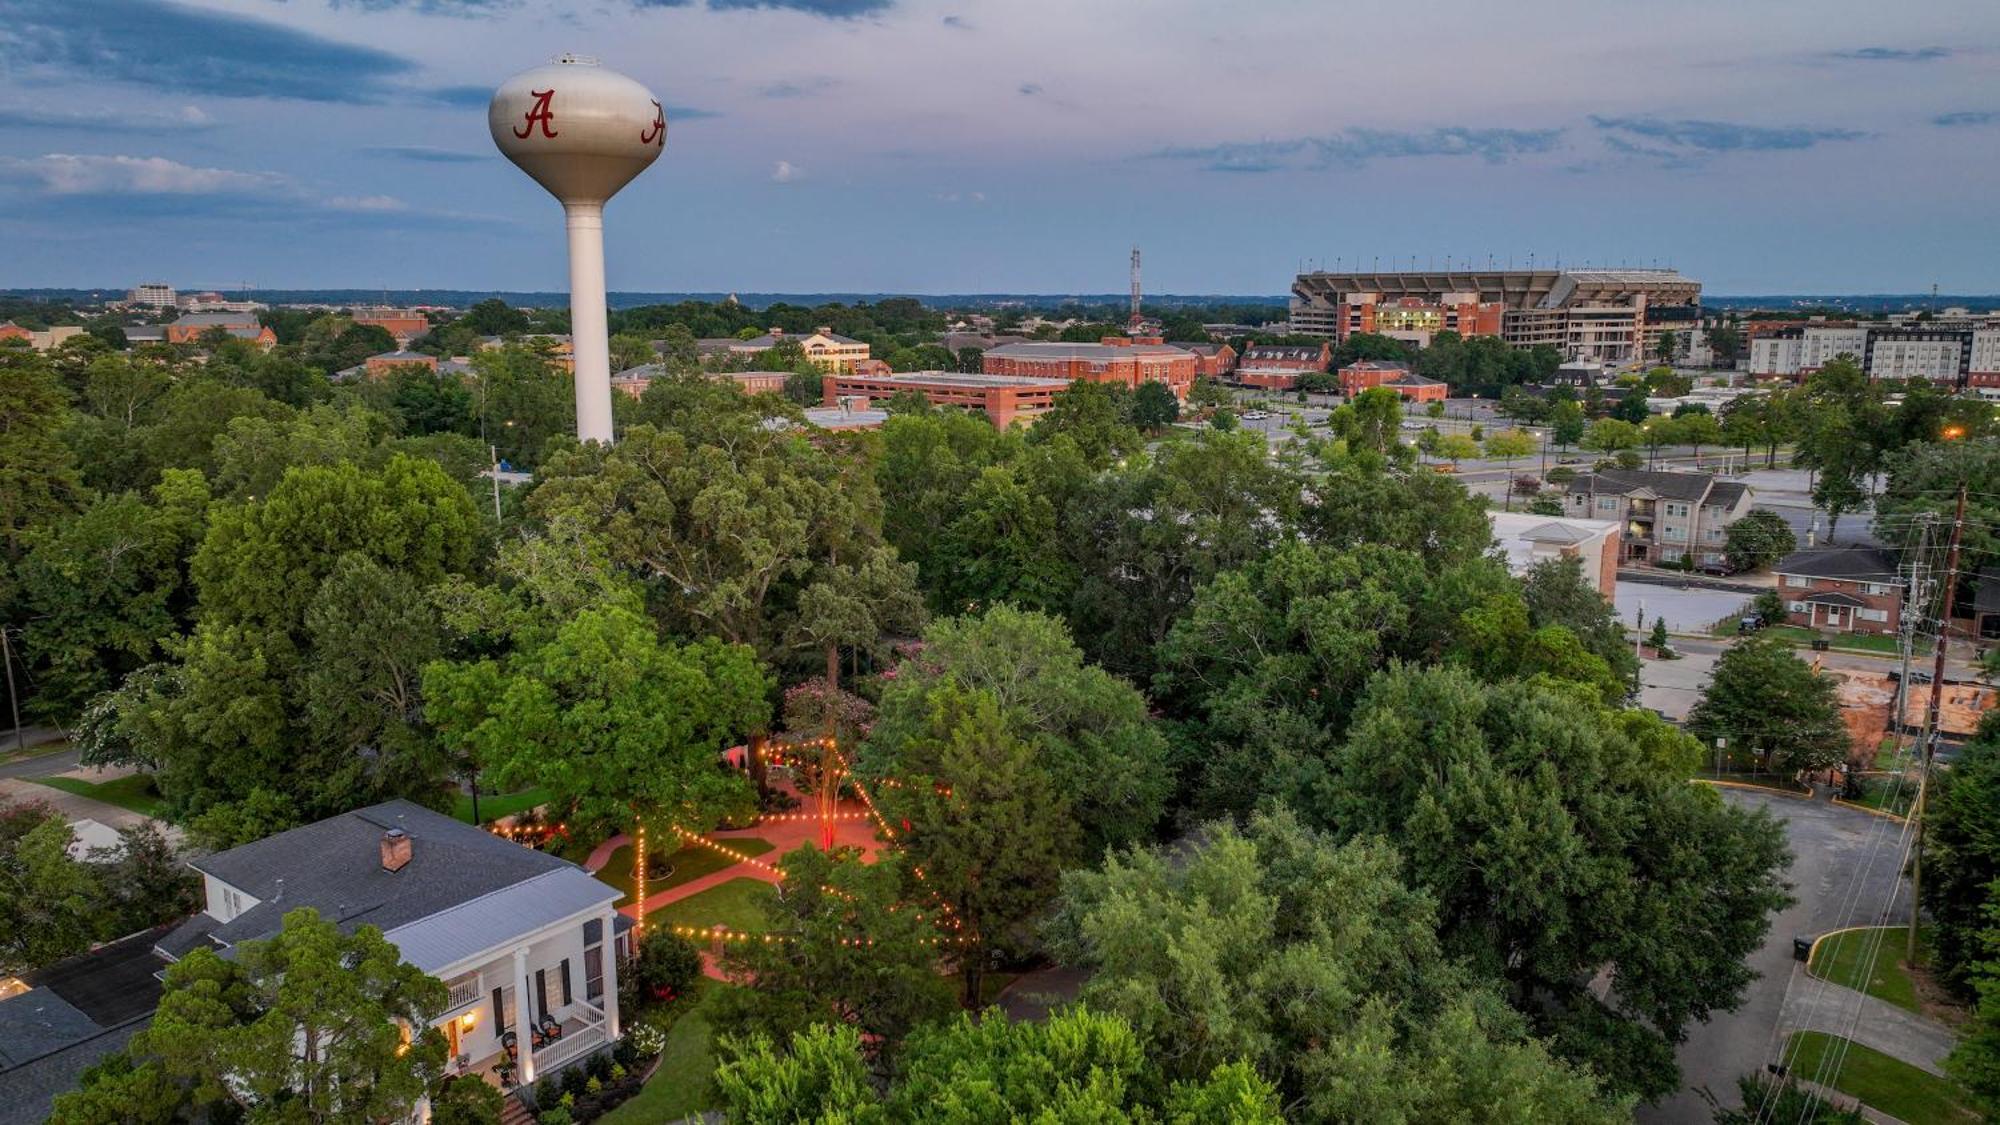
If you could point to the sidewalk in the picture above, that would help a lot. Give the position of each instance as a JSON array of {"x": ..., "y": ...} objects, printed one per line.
[{"x": 1812, "y": 1004}]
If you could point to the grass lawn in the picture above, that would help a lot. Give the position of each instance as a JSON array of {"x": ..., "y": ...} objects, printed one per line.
[
  {"x": 1870, "y": 961},
  {"x": 1884, "y": 794},
  {"x": 1854, "y": 642},
  {"x": 493, "y": 806},
  {"x": 134, "y": 792},
  {"x": 690, "y": 863},
  {"x": 1776, "y": 781},
  {"x": 992, "y": 984},
  {"x": 1890, "y": 1085},
  {"x": 737, "y": 904},
  {"x": 684, "y": 1084}
]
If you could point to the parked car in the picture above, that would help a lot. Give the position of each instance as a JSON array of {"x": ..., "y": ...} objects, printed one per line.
[
  {"x": 1749, "y": 624},
  {"x": 1255, "y": 415}
]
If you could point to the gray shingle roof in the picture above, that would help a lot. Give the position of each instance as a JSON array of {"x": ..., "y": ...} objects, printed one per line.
[
  {"x": 335, "y": 866},
  {"x": 1986, "y": 596},
  {"x": 38, "y": 1022},
  {"x": 1665, "y": 485},
  {"x": 1846, "y": 564}
]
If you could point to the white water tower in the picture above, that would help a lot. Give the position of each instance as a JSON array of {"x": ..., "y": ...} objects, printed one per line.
[{"x": 582, "y": 132}]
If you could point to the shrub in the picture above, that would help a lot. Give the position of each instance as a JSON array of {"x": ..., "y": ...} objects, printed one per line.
[
  {"x": 466, "y": 1101},
  {"x": 618, "y": 1071},
  {"x": 572, "y": 1083},
  {"x": 647, "y": 1039},
  {"x": 625, "y": 1053},
  {"x": 557, "y": 1115},
  {"x": 592, "y": 1085},
  {"x": 598, "y": 1067},
  {"x": 667, "y": 964}
]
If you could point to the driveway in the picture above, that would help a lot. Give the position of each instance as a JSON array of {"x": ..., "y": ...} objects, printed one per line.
[{"x": 1846, "y": 871}]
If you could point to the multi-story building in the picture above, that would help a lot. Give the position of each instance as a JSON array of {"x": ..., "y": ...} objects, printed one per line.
[
  {"x": 1281, "y": 366},
  {"x": 525, "y": 943},
  {"x": 1527, "y": 539},
  {"x": 1667, "y": 517},
  {"x": 403, "y": 324},
  {"x": 1841, "y": 590},
  {"x": 1982, "y": 376},
  {"x": 1366, "y": 374},
  {"x": 1593, "y": 314},
  {"x": 1002, "y": 398},
  {"x": 1125, "y": 360},
  {"x": 1211, "y": 361},
  {"x": 152, "y": 295},
  {"x": 634, "y": 380},
  {"x": 826, "y": 350},
  {"x": 212, "y": 301},
  {"x": 1944, "y": 355}
]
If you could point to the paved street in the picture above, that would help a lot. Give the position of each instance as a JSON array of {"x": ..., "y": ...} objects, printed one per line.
[
  {"x": 41, "y": 765},
  {"x": 1819, "y": 1006},
  {"x": 1846, "y": 871}
]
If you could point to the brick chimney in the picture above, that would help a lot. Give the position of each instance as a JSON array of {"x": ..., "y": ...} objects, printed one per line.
[
  {"x": 777, "y": 333},
  {"x": 395, "y": 849}
]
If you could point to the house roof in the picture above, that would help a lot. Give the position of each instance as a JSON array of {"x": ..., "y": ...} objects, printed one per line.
[
  {"x": 1197, "y": 347},
  {"x": 1294, "y": 353},
  {"x": 1376, "y": 365},
  {"x": 38, "y": 1022},
  {"x": 1665, "y": 485},
  {"x": 335, "y": 866},
  {"x": 1846, "y": 564},
  {"x": 768, "y": 340},
  {"x": 1836, "y": 598},
  {"x": 1412, "y": 379},
  {"x": 402, "y": 355},
  {"x": 219, "y": 320}
]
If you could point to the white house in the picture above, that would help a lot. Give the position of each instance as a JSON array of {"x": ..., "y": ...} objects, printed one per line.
[{"x": 525, "y": 941}]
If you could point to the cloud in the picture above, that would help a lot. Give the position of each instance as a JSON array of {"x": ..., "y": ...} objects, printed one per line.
[
  {"x": 785, "y": 172},
  {"x": 958, "y": 197},
  {"x": 102, "y": 119},
  {"x": 1892, "y": 54},
  {"x": 831, "y": 9},
  {"x": 1687, "y": 143},
  {"x": 788, "y": 88},
  {"x": 461, "y": 8},
  {"x": 689, "y": 113},
  {"x": 194, "y": 50},
  {"x": 1030, "y": 89},
  {"x": 958, "y": 22},
  {"x": 458, "y": 97},
  {"x": 60, "y": 173},
  {"x": 425, "y": 154},
  {"x": 367, "y": 204},
  {"x": 1356, "y": 148},
  {"x": 1966, "y": 117}
]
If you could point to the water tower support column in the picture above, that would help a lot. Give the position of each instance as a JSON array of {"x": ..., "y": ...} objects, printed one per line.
[{"x": 588, "y": 332}]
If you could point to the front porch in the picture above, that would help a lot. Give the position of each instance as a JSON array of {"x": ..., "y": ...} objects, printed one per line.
[
  {"x": 535, "y": 1009},
  {"x": 581, "y": 1035}
]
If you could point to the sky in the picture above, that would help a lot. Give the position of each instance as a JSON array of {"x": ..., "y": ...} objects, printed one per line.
[{"x": 955, "y": 146}]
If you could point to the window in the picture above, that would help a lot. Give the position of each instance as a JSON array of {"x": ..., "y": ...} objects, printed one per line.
[
  {"x": 1872, "y": 614},
  {"x": 593, "y": 932},
  {"x": 567, "y": 997},
  {"x": 593, "y": 973},
  {"x": 1796, "y": 580},
  {"x": 1676, "y": 533},
  {"x": 1675, "y": 508},
  {"x": 1877, "y": 590},
  {"x": 1608, "y": 504},
  {"x": 1795, "y": 607}
]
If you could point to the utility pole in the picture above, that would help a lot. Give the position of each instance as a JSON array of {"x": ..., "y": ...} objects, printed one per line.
[
  {"x": 495, "y": 451},
  {"x": 1931, "y": 720},
  {"x": 13, "y": 699}
]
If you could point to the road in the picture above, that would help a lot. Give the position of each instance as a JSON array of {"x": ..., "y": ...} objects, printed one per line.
[
  {"x": 1846, "y": 871},
  {"x": 42, "y": 765}
]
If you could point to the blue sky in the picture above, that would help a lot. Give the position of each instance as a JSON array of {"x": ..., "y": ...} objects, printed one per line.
[{"x": 1011, "y": 145}]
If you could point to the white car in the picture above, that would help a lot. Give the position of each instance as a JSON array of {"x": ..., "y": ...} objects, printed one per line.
[{"x": 1255, "y": 415}]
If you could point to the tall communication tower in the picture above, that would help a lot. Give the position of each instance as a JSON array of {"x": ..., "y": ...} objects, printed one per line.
[{"x": 1136, "y": 319}]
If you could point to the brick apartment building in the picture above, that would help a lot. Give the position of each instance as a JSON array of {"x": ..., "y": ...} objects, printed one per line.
[
  {"x": 1211, "y": 361},
  {"x": 1002, "y": 398},
  {"x": 1366, "y": 374},
  {"x": 1841, "y": 590},
  {"x": 634, "y": 380},
  {"x": 1124, "y": 360},
  {"x": 385, "y": 364},
  {"x": 1279, "y": 367},
  {"x": 1666, "y": 516},
  {"x": 403, "y": 324}
]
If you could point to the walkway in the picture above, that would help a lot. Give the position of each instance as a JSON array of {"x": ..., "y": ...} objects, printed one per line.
[{"x": 1817, "y": 1005}]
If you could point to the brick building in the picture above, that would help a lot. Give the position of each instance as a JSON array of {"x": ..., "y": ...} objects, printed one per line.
[
  {"x": 404, "y": 324},
  {"x": 1211, "y": 361},
  {"x": 1367, "y": 374},
  {"x": 1002, "y": 398},
  {"x": 1841, "y": 590},
  {"x": 385, "y": 364},
  {"x": 827, "y": 350},
  {"x": 190, "y": 329},
  {"x": 1279, "y": 367},
  {"x": 1124, "y": 360}
]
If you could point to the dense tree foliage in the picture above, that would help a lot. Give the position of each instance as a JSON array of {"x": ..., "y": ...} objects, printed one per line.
[
  {"x": 1078, "y": 1066},
  {"x": 1767, "y": 701},
  {"x": 1962, "y": 859}
]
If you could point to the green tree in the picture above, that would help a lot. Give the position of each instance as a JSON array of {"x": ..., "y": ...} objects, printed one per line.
[
  {"x": 1507, "y": 447},
  {"x": 1370, "y": 422},
  {"x": 1154, "y": 406},
  {"x": 1697, "y": 429},
  {"x": 986, "y": 826},
  {"x": 1962, "y": 859},
  {"x": 622, "y": 726},
  {"x": 1610, "y": 435},
  {"x": 1089, "y": 731},
  {"x": 1924, "y": 478},
  {"x": 846, "y": 950},
  {"x": 1530, "y": 814},
  {"x": 1313, "y": 962},
  {"x": 1457, "y": 447},
  {"x": 1760, "y": 538},
  {"x": 1078, "y": 1066},
  {"x": 117, "y": 1091},
  {"x": 1096, "y": 416},
  {"x": 1566, "y": 423},
  {"x": 103, "y": 590},
  {"x": 308, "y": 1025},
  {"x": 50, "y": 901},
  {"x": 38, "y": 474},
  {"x": 1975, "y": 1061},
  {"x": 1631, "y": 408},
  {"x": 1763, "y": 698},
  {"x": 1782, "y": 1099},
  {"x": 1558, "y": 593}
]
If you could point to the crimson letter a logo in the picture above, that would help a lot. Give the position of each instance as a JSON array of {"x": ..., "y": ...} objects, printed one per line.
[{"x": 539, "y": 113}]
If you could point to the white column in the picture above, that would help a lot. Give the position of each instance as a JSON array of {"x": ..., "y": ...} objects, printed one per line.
[
  {"x": 611, "y": 974},
  {"x": 523, "y": 1015},
  {"x": 590, "y": 342}
]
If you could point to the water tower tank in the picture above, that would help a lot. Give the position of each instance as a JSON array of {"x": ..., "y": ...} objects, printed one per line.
[{"x": 582, "y": 132}]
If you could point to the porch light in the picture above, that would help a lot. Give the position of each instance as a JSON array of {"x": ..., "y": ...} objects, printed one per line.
[{"x": 468, "y": 1021}]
